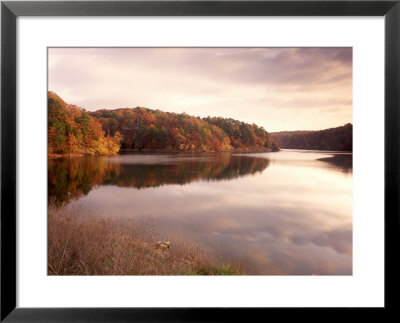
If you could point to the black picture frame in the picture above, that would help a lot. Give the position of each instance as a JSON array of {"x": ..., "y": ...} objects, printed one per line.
[{"x": 10, "y": 10}]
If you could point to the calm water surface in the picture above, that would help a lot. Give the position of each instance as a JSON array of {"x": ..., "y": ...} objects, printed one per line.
[{"x": 284, "y": 213}]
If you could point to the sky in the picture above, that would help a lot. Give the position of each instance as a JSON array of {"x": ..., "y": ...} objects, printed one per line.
[{"x": 277, "y": 88}]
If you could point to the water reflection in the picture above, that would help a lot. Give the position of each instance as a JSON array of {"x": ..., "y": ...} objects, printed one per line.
[
  {"x": 343, "y": 162},
  {"x": 72, "y": 178},
  {"x": 295, "y": 218}
]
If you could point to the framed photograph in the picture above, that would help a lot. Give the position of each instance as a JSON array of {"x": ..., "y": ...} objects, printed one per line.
[{"x": 198, "y": 160}]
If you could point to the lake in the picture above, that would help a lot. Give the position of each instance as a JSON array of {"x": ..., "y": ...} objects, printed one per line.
[{"x": 282, "y": 213}]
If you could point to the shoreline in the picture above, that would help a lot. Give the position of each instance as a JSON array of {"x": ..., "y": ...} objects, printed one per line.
[
  {"x": 171, "y": 151},
  {"x": 164, "y": 151}
]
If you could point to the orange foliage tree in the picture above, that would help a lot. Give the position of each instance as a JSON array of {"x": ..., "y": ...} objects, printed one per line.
[{"x": 72, "y": 130}]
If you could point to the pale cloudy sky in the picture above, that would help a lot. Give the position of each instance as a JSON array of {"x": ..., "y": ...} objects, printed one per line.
[{"x": 277, "y": 88}]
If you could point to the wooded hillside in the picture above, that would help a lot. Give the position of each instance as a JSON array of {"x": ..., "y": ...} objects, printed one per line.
[
  {"x": 244, "y": 135},
  {"x": 147, "y": 129},
  {"x": 72, "y": 130},
  {"x": 337, "y": 139}
]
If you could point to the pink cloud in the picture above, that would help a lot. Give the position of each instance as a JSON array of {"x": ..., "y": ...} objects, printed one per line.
[{"x": 266, "y": 86}]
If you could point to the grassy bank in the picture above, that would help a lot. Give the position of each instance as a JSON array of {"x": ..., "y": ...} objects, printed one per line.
[{"x": 79, "y": 244}]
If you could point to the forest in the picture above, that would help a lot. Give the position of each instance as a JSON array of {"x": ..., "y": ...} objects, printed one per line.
[
  {"x": 72, "y": 130},
  {"x": 155, "y": 130},
  {"x": 336, "y": 139}
]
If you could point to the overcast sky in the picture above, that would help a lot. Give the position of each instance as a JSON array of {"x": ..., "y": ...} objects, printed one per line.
[{"x": 277, "y": 88}]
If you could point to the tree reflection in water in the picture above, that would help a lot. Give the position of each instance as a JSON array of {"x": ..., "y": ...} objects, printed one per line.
[{"x": 70, "y": 178}]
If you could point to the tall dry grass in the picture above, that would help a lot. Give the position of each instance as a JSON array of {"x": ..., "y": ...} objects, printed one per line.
[{"x": 82, "y": 244}]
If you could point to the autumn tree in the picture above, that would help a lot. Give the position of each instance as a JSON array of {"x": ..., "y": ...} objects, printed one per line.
[{"x": 72, "y": 130}]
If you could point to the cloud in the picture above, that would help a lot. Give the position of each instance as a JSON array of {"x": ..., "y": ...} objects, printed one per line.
[{"x": 212, "y": 81}]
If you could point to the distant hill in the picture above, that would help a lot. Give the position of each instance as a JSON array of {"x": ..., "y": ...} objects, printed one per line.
[{"x": 338, "y": 139}]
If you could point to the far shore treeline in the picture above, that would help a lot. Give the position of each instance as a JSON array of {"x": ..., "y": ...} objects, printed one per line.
[
  {"x": 333, "y": 139},
  {"x": 74, "y": 131}
]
